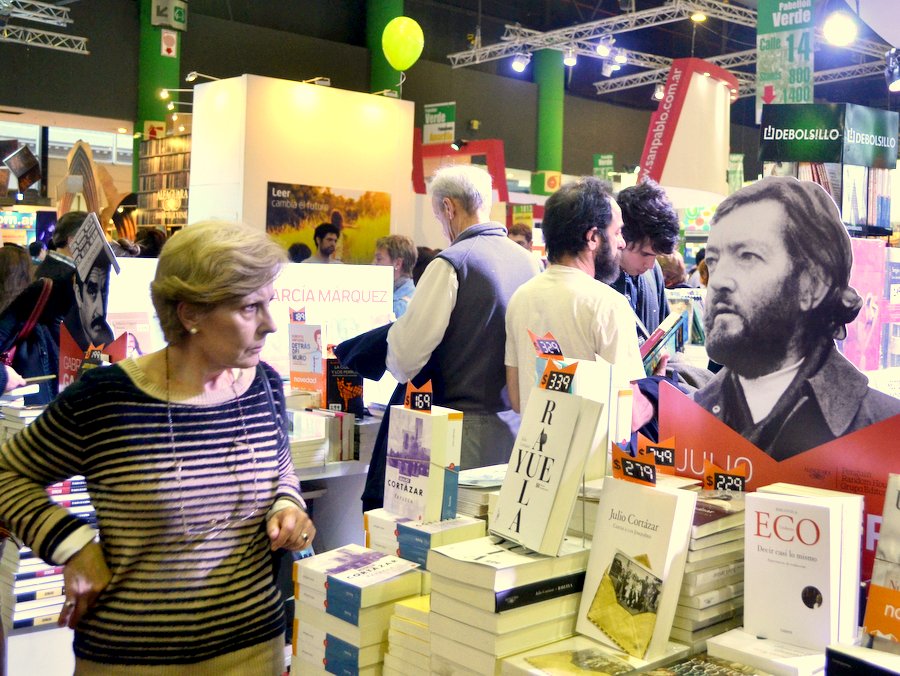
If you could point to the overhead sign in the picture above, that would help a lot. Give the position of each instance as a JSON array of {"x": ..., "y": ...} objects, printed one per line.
[
  {"x": 169, "y": 13},
  {"x": 604, "y": 165},
  {"x": 785, "y": 32},
  {"x": 440, "y": 123},
  {"x": 829, "y": 132}
]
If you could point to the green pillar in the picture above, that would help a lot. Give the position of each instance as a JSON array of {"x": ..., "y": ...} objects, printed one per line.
[
  {"x": 155, "y": 72},
  {"x": 550, "y": 77},
  {"x": 378, "y": 14}
]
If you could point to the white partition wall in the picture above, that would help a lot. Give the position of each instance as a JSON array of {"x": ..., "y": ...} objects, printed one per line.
[{"x": 250, "y": 130}]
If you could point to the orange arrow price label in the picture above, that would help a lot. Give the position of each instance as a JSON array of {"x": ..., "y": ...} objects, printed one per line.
[
  {"x": 546, "y": 346},
  {"x": 637, "y": 470},
  {"x": 663, "y": 453},
  {"x": 717, "y": 479},
  {"x": 418, "y": 398},
  {"x": 558, "y": 378}
]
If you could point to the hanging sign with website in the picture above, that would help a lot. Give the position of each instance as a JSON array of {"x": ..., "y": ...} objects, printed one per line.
[
  {"x": 785, "y": 32},
  {"x": 604, "y": 165},
  {"x": 440, "y": 123}
]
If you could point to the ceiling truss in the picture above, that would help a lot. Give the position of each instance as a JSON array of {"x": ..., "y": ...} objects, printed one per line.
[
  {"x": 39, "y": 12},
  {"x": 583, "y": 39}
]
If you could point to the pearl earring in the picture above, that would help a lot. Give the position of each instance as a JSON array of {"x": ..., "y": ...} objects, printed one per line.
[{"x": 193, "y": 330}]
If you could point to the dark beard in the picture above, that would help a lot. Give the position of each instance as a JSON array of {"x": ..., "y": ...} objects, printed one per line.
[{"x": 606, "y": 263}]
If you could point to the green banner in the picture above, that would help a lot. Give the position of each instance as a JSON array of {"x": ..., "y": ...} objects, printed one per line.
[
  {"x": 440, "y": 123},
  {"x": 831, "y": 132},
  {"x": 604, "y": 165},
  {"x": 785, "y": 33}
]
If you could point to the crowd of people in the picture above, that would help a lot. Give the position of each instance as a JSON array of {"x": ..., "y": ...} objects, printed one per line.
[{"x": 185, "y": 450}]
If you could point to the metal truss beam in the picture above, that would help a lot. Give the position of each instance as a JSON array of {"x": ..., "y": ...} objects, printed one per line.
[
  {"x": 743, "y": 16},
  {"x": 48, "y": 39},
  {"x": 40, "y": 12}
]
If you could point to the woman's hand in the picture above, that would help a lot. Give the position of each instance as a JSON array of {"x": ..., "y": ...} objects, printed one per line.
[
  {"x": 86, "y": 576},
  {"x": 290, "y": 528},
  {"x": 13, "y": 379}
]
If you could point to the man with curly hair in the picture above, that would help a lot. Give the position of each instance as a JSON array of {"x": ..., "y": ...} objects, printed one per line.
[{"x": 779, "y": 269}]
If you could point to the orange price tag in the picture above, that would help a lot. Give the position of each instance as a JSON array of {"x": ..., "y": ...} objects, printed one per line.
[
  {"x": 418, "y": 398},
  {"x": 558, "y": 378},
  {"x": 546, "y": 346},
  {"x": 663, "y": 452},
  {"x": 717, "y": 479},
  {"x": 637, "y": 470}
]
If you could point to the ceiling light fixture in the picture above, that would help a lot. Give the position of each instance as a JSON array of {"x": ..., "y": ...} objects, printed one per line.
[
  {"x": 621, "y": 57},
  {"x": 604, "y": 47},
  {"x": 193, "y": 75},
  {"x": 319, "y": 80},
  {"x": 570, "y": 58},
  {"x": 698, "y": 17},
  {"x": 659, "y": 91},
  {"x": 609, "y": 68},
  {"x": 165, "y": 92},
  {"x": 459, "y": 144},
  {"x": 892, "y": 70},
  {"x": 840, "y": 28},
  {"x": 520, "y": 62}
]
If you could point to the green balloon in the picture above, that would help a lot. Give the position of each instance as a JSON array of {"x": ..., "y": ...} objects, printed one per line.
[{"x": 402, "y": 42}]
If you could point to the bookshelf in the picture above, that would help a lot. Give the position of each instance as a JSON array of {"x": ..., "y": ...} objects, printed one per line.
[{"x": 163, "y": 178}]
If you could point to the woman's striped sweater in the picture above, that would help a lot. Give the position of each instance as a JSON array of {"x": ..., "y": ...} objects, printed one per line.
[{"x": 182, "y": 526}]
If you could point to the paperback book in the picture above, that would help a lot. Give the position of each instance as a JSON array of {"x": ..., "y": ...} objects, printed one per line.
[
  {"x": 557, "y": 433},
  {"x": 422, "y": 466},
  {"x": 636, "y": 566}
]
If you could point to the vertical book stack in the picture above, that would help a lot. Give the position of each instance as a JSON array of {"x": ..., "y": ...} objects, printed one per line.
[
  {"x": 344, "y": 602},
  {"x": 409, "y": 638},
  {"x": 712, "y": 594}
]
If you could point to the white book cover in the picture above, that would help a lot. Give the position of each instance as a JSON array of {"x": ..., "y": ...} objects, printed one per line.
[
  {"x": 546, "y": 467},
  {"x": 792, "y": 584},
  {"x": 636, "y": 566},
  {"x": 422, "y": 467}
]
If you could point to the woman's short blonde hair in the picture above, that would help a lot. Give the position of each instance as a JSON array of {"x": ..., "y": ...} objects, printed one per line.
[{"x": 210, "y": 263}]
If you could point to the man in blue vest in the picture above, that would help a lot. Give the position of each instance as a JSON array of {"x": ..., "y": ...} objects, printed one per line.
[{"x": 458, "y": 311}]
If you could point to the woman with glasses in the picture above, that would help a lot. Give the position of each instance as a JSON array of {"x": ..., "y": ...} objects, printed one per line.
[{"x": 188, "y": 467}]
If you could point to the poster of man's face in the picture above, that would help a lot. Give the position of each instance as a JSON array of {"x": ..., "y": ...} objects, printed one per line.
[
  {"x": 779, "y": 261},
  {"x": 91, "y": 296}
]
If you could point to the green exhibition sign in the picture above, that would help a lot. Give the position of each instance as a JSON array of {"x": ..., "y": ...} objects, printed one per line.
[
  {"x": 440, "y": 123},
  {"x": 870, "y": 137},
  {"x": 833, "y": 132},
  {"x": 604, "y": 165},
  {"x": 785, "y": 33}
]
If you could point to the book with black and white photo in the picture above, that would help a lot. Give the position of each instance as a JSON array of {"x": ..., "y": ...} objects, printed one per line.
[
  {"x": 802, "y": 565},
  {"x": 557, "y": 433},
  {"x": 422, "y": 466},
  {"x": 636, "y": 567}
]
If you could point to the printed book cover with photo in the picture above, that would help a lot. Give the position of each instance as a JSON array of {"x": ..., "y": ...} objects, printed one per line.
[
  {"x": 421, "y": 473},
  {"x": 636, "y": 566},
  {"x": 556, "y": 436},
  {"x": 793, "y": 570}
]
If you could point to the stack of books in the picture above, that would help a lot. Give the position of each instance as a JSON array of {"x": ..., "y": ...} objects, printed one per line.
[
  {"x": 478, "y": 490},
  {"x": 344, "y": 601},
  {"x": 416, "y": 539},
  {"x": 381, "y": 530},
  {"x": 712, "y": 593},
  {"x": 17, "y": 417},
  {"x": 493, "y": 599},
  {"x": 409, "y": 639},
  {"x": 38, "y": 588},
  {"x": 365, "y": 432},
  {"x": 9, "y": 563}
]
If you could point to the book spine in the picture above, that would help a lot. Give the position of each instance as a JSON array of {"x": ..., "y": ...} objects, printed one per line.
[
  {"x": 450, "y": 494},
  {"x": 340, "y": 657},
  {"x": 525, "y": 595},
  {"x": 343, "y": 600},
  {"x": 37, "y": 621},
  {"x": 56, "y": 590},
  {"x": 51, "y": 570}
]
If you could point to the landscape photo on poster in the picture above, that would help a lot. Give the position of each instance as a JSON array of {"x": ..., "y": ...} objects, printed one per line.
[{"x": 362, "y": 216}]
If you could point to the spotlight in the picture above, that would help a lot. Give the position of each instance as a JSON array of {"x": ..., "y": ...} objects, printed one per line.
[
  {"x": 659, "y": 91},
  {"x": 621, "y": 57},
  {"x": 193, "y": 75},
  {"x": 320, "y": 80},
  {"x": 698, "y": 17},
  {"x": 170, "y": 105},
  {"x": 892, "y": 70},
  {"x": 609, "y": 68},
  {"x": 570, "y": 58},
  {"x": 387, "y": 93},
  {"x": 521, "y": 61},
  {"x": 459, "y": 144},
  {"x": 604, "y": 47},
  {"x": 840, "y": 29},
  {"x": 121, "y": 130}
]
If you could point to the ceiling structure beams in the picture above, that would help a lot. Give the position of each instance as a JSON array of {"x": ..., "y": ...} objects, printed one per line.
[{"x": 39, "y": 12}]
